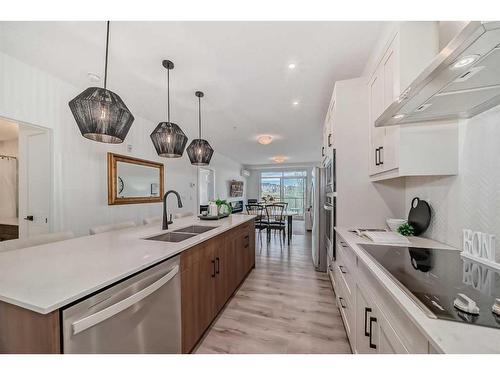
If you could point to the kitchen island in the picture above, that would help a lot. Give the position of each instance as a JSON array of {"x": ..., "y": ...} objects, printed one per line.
[{"x": 37, "y": 283}]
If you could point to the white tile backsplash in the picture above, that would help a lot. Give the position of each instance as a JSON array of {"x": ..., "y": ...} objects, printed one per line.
[{"x": 471, "y": 199}]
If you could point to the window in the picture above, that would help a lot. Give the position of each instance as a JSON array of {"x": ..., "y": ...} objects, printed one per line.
[{"x": 285, "y": 186}]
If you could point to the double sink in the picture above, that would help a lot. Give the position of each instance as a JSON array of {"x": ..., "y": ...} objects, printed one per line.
[{"x": 182, "y": 234}]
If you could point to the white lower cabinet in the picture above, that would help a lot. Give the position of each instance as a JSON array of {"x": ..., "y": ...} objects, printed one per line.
[
  {"x": 374, "y": 334},
  {"x": 374, "y": 322}
]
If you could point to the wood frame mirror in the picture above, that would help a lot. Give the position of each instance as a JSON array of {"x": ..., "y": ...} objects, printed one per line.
[{"x": 132, "y": 180}]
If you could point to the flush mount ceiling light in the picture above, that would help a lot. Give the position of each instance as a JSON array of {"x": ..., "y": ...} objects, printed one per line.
[
  {"x": 100, "y": 114},
  {"x": 464, "y": 61},
  {"x": 168, "y": 138},
  {"x": 279, "y": 159},
  {"x": 399, "y": 116},
  {"x": 295, "y": 103},
  {"x": 199, "y": 151},
  {"x": 265, "y": 139},
  {"x": 292, "y": 66}
]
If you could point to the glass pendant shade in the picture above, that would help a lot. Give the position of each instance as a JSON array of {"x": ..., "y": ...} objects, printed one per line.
[
  {"x": 199, "y": 151},
  {"x": 169, "y": 140},
  {"x": 101, "y": 115}
]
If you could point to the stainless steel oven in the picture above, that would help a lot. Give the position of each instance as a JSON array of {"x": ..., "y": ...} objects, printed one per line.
[{"x": 330, "y": 220}]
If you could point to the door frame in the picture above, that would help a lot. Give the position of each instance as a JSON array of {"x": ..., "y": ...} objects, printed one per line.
[
  {"x": 198, "y": 184},
  {"x": 50, "y": 135}
]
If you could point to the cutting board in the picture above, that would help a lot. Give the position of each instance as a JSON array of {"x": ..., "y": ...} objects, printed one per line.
[{"x": 419, "y": 216}]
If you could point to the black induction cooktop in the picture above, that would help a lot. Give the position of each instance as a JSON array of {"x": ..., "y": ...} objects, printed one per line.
[{"x": 434, "y": 278}]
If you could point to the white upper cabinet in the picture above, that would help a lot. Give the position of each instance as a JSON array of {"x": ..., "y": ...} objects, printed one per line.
[
  {"x": 328, "y": 136},
  {"x": 408, "y": 50}
]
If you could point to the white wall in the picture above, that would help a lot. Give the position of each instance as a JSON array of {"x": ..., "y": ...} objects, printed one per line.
[
  {"x": 35, "y": 97},
  {"x": 226, "y": 170},
  {"x": 471, "y": 199}
]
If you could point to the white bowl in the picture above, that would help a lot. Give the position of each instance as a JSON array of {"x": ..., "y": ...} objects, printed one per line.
[{"x": 394, "y": 224}]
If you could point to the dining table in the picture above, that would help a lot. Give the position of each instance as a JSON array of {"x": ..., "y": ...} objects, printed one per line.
[{"x": 289, "y": 218}]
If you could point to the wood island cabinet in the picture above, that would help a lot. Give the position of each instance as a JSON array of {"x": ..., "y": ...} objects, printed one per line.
[{"x": 210, "y": 274}]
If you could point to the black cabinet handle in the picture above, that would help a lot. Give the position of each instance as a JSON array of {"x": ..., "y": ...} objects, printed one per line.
[
  {"x": 217, "y": 265},
  {"x": 377, "y": 153},
  {"x": 372, "y": 320},
  {"x": 330, "y": 140},
  {"x": 341, "y": 268},
  {"x": 341, "y": 304},
  {"x": 323, "y": 151},
  {"x": 381, "y": 155},
  {"x": 29, "y": 218},
  {"x": 213, "y": 268},
  {"x": 367, "y": 310}
]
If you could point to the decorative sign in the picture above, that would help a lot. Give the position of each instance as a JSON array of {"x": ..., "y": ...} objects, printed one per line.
[{"x": 479, "y": 245}]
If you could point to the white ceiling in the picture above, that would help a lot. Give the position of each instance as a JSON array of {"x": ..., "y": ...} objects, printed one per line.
[
  {"x": 241, "y": 66},
  {"x": 8, "y": 130}
]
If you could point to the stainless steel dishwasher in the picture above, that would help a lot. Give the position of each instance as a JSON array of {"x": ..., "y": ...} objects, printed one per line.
[{"x": 139, "y": 315}]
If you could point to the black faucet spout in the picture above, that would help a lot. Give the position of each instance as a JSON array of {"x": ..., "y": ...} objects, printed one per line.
[{"x": 179, "y": 204}]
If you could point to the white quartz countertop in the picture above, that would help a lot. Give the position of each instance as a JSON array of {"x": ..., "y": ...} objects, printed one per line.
[
  {"x": 47, "y": 277},
  {"x": 446, "y": 336}
]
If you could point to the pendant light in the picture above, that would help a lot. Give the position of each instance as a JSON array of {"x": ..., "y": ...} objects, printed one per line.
[
  {"x": 101, "y": 114},
  {"x": 199, "y": 151},
  {"x": 168, "y": 138}
]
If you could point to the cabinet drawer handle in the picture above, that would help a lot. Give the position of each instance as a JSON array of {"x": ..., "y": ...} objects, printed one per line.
[
  {"x": 367, "y": 310},
  {"x": 217, "y": 265},
  {"x": 381, "y": 155},
  {"x": 372, "y": 320},
  {"x": 323, "y": 151},
  {"x": 341, "y": 303},
  {"x": 377, "y": 155},
  {"x": 213, "y": 268},
  {"x": 341, "y": 268},
  {"x": 343, "y": 244},
  {"x": 330, "y": 140}
]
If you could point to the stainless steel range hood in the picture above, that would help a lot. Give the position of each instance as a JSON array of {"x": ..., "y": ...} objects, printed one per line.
[{"x": 461, "y": 82}]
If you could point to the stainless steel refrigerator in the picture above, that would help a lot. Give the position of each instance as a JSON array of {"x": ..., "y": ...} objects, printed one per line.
[{"x": 324, "y": 207}]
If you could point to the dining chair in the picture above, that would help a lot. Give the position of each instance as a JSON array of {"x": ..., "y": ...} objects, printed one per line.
[
  {"x": 41, "y": 239},
  {"x": 260, "y": 217},
  {"x": 111, "y": 227},
  {"x": 276, "y": 218}
]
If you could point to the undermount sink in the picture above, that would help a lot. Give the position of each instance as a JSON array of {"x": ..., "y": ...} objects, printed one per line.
[
  {"x": 195, "y": 229},
  {"x": 182, "y": 234},
  {"x": 172, "y": 237}
]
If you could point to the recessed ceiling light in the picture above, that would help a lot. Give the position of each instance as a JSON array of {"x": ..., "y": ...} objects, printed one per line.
[
  {"x": 464, "y": 61},
  {"x": 265, "y": 139},
  {"x": 291, "y": 66},
  {"x": 93, "y": 77},
  {"x": 399, "y": 116},
  {"x": 295, "y": 103},
  {"x": 279, "y": 159}
]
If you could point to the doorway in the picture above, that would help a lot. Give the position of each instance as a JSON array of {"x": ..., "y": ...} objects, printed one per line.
[
  {"x": 206, "y": 186},
  {"x": 25, "y": 179}
]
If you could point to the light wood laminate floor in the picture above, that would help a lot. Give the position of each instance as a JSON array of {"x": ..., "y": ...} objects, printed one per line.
[{"x": 284, "y": 306}]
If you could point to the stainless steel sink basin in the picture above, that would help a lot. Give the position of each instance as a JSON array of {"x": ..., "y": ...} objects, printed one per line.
[
  {"x": 195, "y": 229},
  {"x": 172, "y": 237}
]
